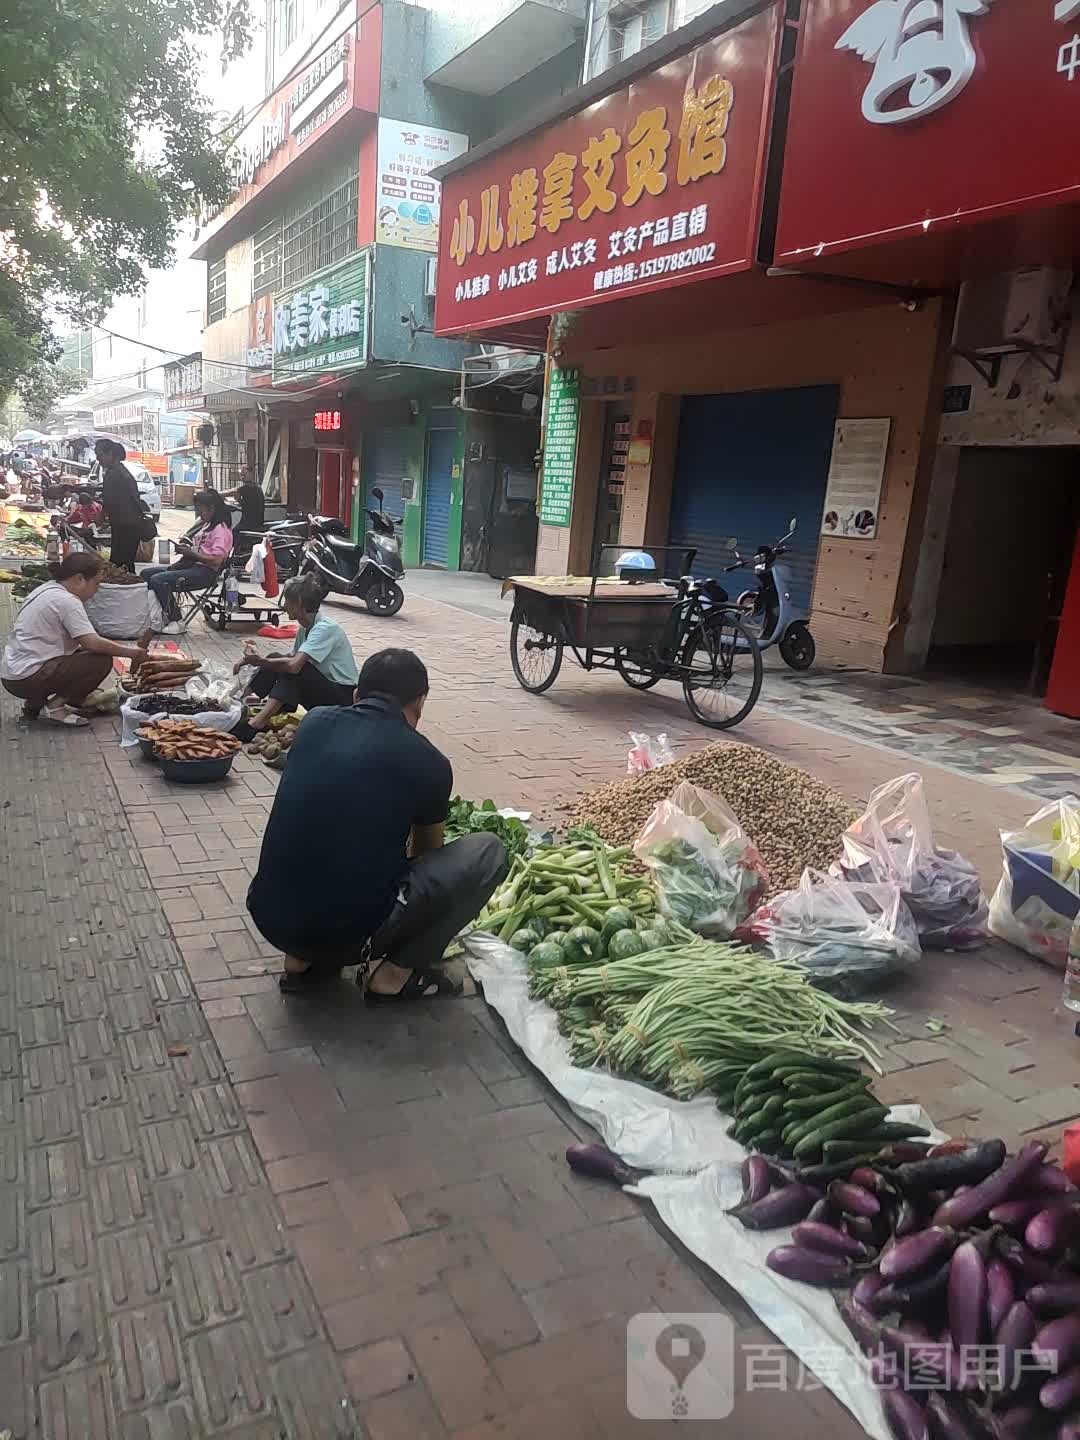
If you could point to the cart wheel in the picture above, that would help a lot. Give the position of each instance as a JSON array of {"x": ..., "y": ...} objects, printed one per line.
[
  {"x": 222, "y": 619},
  {"x": 635, "y": 675},
  {"x": 535, "y": 656},
  {"x": 727, "y": 663}
]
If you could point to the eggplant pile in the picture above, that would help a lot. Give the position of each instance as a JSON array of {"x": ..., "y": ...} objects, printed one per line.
[
  {"x": 812, "y": 1108},
  {"x": 961, "y": 1265}
]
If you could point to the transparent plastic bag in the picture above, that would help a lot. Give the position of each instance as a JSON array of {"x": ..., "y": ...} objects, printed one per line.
[
  {"x": 707, "y": 871},
  {"x": 848, "y": 936},
  {"x": 1038, "y": 895},
  {"x": 214, "y": 682},
  {"x": 893, "y": 843},
  {"x": 647, "y": 753}
]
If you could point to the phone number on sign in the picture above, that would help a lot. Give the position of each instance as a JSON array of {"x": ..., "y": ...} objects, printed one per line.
[{"x": 657, "y": 265}]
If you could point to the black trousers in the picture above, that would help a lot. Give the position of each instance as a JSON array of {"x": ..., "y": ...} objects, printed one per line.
[
  {"x": 310, "y": 688},
  {"x": 123, "y": 546}
]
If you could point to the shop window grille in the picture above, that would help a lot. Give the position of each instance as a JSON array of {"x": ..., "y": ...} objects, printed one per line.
[
  {"x": 285, "y": 23},
  {"x": 215, "y": 291},
  {"x": 633, "y": 27},
  {"x": 321, "y": 235},
  {"x": 266, "y": 260}
]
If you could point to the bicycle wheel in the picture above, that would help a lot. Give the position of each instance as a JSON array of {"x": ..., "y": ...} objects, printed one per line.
[
  {"x": 635, "y": 675},
  {"x": 728, "y": 670},
  {"x": 535, "y": 656}
]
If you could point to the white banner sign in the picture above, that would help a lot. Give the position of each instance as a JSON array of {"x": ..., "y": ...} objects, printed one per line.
[
  {"x": 407, "y": 198},
  {"x": 853, "y": 497}
]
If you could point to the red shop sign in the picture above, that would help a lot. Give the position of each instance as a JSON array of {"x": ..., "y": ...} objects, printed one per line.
[
  {"x": 909, "y": 115},
  {"x": 655, "y": 185}
]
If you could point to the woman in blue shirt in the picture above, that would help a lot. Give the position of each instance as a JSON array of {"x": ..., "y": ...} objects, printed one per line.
[{"x": 321, "y": 669}]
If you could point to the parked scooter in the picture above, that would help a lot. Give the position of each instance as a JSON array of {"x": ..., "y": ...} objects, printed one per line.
[
  {"x": 370, "y": 571},
  {"x": 769, "y": 608}
]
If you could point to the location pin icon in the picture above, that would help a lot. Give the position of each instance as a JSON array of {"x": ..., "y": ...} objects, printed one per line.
[{"x": 680, "y": 1349}]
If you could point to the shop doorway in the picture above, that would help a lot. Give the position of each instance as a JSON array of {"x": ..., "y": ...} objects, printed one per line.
[
  {"x": 746, "y": 463},
  {"x": 1008, "y": 553},
  {"x": 334, "y": 494},
  {"x": 438, "y": 484}
]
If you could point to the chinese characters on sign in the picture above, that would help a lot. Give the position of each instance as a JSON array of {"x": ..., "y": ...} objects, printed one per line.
[
  {"x": 260, "y": 350},
  {"x": 656, "y": 183},
  {"x": 1069, "y": 55},
  {"x": 327, "y": 419},
  {"x": 184, "y": 385},
  {"x": 323, "y": 326},
  {"x": 407, "y": 199},
  {"x": 560, "y": 447},
  {"x": 856, "y": 473}
]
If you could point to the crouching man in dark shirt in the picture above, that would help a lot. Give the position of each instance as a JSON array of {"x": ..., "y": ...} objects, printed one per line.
[{"x": 353, "y": 869}]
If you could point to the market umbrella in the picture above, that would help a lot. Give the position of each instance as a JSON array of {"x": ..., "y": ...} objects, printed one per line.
[{"x": 29, "y": 437}]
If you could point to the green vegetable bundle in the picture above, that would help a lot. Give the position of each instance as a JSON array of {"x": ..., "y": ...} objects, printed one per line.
[{"x": 467, "y": 818}]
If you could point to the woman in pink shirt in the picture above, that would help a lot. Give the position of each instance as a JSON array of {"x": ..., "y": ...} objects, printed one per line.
[{"x": 203, "y": 552}]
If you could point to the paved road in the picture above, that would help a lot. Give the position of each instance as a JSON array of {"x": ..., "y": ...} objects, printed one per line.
[{"x": 227, "y": 1214}]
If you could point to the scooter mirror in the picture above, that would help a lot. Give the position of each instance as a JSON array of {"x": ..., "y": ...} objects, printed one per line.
[
  {"x": 378, "y": 494},
  {"x": 791, "y": 527}
]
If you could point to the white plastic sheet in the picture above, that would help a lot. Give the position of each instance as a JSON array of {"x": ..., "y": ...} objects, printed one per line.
[{"x": 653, "y": 1132}]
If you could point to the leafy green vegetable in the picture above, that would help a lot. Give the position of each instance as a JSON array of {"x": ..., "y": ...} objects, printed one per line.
[{"x": 465, "y": 817}]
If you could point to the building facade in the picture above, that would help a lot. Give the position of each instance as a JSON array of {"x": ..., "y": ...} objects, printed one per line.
[
  {"x": 319, "y": 366},
  {"x": 778, "y": 280}
]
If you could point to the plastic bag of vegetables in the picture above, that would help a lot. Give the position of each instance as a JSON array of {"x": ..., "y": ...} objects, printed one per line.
[
  {"x": 893, "y": 844},
  {"x": 707, "y": 872},
  {"x": 1038, "y": 895},
  {"x": 848, "y": 936}
]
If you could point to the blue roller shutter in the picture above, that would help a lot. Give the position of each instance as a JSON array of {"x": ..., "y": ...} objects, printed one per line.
[
  {"x": 442, "y": 447},
  {"x": 747, "y": 463},
  {"x": 391, "y": 450}
]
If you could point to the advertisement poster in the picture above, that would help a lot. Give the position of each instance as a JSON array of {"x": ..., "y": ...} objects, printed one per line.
[
  {"x": 560, "y": 447},
  {"x": 853, "y": 497},
  {"x": 407, "y": 199}
]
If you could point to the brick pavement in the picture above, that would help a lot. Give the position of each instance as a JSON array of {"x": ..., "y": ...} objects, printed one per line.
[{"x": 225, "y": 1213}]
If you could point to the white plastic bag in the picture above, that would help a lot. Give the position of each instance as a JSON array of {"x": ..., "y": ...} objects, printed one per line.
[
  {"x": 214, "y": 682},
  {"x": 647, "y": 753},
  {"x": 107, "y": 698},
  {"x": 256, "y": 565},
  {"x": 707, "y": 872},
  {"x": 133, "y": 719},
  {"x": 124, "y": 612},
  {"x": 847, "y": 935},
  {"x": 1038, "y": 895},
  {"x": 893, "y": 843}
]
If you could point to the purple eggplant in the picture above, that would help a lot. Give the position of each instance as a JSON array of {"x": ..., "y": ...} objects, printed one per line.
[
  {"x": 809, "y": 1266},
  {"x": 1030, "y": 1268},
  {"x": 967, "y": 1295},
  {"x": 872, "y": 1180},
  {"x": 947, "y": 1172},
  {"x": 1058, "y": 1343},
  {"x": 928, "y": 1364},
  {"x": 905, "y": 1417},
  {"x": 1015, "y": 1214},
  {"x": 600, "y": 1163},
  {"x": 901, "y": 1152},
  {"x": 821, "y": 1212},
  {"x": 867, "y": 1288},
  {"x": 1013, "y": 1337},
  {"x": 861, "y": 1228},
  {"x": 1062, "y": 1391},
  {"x": 916, "y": 1293},
  {"x": 1001, "y": 1292},
  {"x": 756, "y": 1179},
  {"x": 1052, "y": 1229},
  {"x": 854, "y": 1200},
  {"x": 1007, "y": 1181},
  {"x": 1069, "y": 1430},
  {"x": 1059, "y": 1298},
  {"x": 827, "y": 1240},
  {"x": 950, "y": 1419},
  {"x": 1050, "y": 1179},
  {"x": 908, "y": 1219},
  {"x": 779, "y": 1208},
  {"x": 861, "y": 1323},
  {"x": 1019, "y": 1422},
  {"x": 918, "y": 1252}
]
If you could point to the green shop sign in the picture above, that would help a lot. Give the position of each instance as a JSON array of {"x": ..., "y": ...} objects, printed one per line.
[
  {"x": 560, "y": 447},
  {"x": 323, "y": 325}
]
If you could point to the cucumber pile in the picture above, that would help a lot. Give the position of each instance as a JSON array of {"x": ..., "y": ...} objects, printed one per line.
[{"x": 813, "y": 1109}]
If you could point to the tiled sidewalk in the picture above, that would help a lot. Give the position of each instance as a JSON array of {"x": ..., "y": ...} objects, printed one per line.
[{"x": 363, "y": 1222}]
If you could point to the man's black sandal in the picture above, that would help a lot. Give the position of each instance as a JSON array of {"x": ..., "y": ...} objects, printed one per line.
[{"x": 421, "y": 985}]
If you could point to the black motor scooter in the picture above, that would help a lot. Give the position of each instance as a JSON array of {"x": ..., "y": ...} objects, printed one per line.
[{"x": 370, "y": 571}]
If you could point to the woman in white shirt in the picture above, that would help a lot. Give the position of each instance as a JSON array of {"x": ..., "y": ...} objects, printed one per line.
[{"x": 54, "y": 654}]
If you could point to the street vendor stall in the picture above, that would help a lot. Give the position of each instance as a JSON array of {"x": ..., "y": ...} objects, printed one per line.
[{"x": 645, "y": 628}]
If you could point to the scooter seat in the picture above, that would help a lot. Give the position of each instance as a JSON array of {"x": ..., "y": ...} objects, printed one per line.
[{"x": 341, "y": 542}]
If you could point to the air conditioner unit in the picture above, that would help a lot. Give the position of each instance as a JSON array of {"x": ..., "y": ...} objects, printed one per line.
[
  {"x": 429, "y": 279},
  {"x": 1015, "y": 311}
]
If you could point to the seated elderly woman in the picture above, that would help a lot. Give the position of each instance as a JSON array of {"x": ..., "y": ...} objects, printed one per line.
[{"x": 320, "y": 671}]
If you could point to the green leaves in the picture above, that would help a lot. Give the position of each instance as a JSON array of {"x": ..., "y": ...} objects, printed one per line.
[{"x": 467, "y": 818}]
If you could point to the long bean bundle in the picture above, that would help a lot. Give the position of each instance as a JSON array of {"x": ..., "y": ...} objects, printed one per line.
[{"x": 702, "y": 1013}]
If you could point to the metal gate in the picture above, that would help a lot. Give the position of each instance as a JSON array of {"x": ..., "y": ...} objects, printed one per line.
[
  {"x": 746, "y": 464},
  {"x": 442, "y": 447},
  {"x": 390, "y": 456}
]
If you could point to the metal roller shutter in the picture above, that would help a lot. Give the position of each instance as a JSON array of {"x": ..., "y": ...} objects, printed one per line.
[
  {"x": 746, "y": 464},
  {"x": 391, "y": 453},
  {"x": 442, "y": 445}
]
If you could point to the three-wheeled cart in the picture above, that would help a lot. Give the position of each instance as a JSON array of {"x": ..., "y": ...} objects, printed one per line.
[{"x": 647, "y": 631}]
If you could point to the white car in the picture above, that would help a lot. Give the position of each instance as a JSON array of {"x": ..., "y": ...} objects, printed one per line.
[{"x": 148, "y": 489}]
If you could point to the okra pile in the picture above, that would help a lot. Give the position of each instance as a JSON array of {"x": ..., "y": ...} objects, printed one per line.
[{"x": 957, "y": 1270}]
